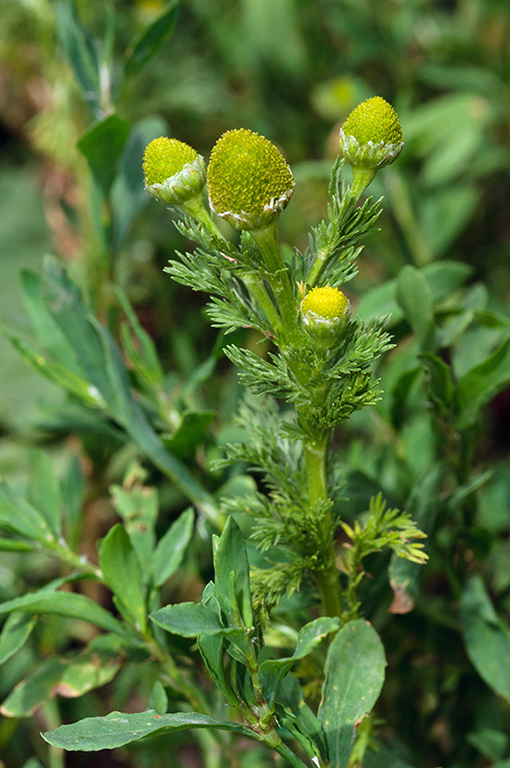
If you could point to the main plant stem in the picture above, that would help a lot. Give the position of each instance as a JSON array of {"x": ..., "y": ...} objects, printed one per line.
[
  {"x": 326, "y": 576},
  {"x": 315, "y": 449}
]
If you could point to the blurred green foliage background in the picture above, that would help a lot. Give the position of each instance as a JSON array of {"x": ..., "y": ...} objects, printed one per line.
[{"x": 291, "y": 70}]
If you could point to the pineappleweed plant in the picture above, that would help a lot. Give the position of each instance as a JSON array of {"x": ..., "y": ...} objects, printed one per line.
[{"x": 320, "y": 366}]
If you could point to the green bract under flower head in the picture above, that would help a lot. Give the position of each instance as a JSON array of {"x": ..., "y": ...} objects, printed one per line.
[
  {"x": 371, "y": 137},
  {"x": 325, "y": 311},
  {"x": 249, "y": 181},
  {"x": 174, "y": 171}
]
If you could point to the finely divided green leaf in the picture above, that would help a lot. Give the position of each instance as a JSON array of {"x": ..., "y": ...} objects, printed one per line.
[
  {"x": 354, "y": 677},
  {"x": 422, "y": 506}
]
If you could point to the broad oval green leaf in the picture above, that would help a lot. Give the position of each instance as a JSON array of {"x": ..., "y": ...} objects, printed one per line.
[
  {"x": 442, "y": 277},
  {"x": 354, "y": 677},
  {"x": 188, "y": 620},
  {"x": 102, "y": 144}
]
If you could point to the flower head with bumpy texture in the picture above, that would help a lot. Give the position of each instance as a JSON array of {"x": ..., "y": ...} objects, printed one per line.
[
  {"x": 325, "y": 311},
  {"x": 248, "y": 179},
  {"x": 371, "y": 137},
  {"x": 174, "y": 171}
]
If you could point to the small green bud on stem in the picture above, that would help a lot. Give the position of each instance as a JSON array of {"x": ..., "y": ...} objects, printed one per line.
[
  {"x": 325, "y": 311},
  {"x": 370, "y": 138},
  {"x": 174, "y": 171}
]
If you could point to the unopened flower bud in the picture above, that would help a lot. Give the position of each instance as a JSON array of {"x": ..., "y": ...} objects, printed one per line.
[
  {"x": 174, "y": 171},
  {"x": 371, "y": 137},
  {"x": 248, "y": 179},
  {"x": 325, "y": 311}
]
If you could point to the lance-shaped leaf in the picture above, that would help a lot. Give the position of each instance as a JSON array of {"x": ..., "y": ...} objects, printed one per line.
[
  {"x": 138, "y": 508},
  {"x": 103, "y": 368},
  {"x": 487, "y": 638},
  {"x": 15, "y": 632},
  {"x": 354, "y": 677},
  {"x": 309, "y": 637},
  {"x": 102, "y": 145},
  {"x": 232, "y": 575},
  {"x": 67, "y": 604},
  {"x": 188, "y": 620},
  {"x": 294, "y": 714},
  {"x": 44, "y": 491},
  {"x": 128, "y": 194},
  {"x": 481, "y": 383},
  {"x": 415, "y": 298},
  {"x": 21, "y": 517},
  {"x": 123, "y": 574},
  {"x": 119, "y": 728},
  {"x": 151, "y": 40},
  {"x": 67, "y": 677},
  {"x": 81, "y": 50},
  {"x": 171, "y": 548}
]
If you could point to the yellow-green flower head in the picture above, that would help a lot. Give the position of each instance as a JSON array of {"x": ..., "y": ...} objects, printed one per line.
[
  {"x": 174, "y": 171},
  {"x": 325, "y": 311},
  {"x": 371, "y": 137},
  {"x": 248, "y": 179}
]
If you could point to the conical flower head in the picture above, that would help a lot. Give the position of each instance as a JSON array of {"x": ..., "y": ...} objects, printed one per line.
[
  {"x": 248, "y": 179},
  {"x": 174, "y": 171},
  {"x": 371, "y": 137},
  {"x": 325, "y": 311}
]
